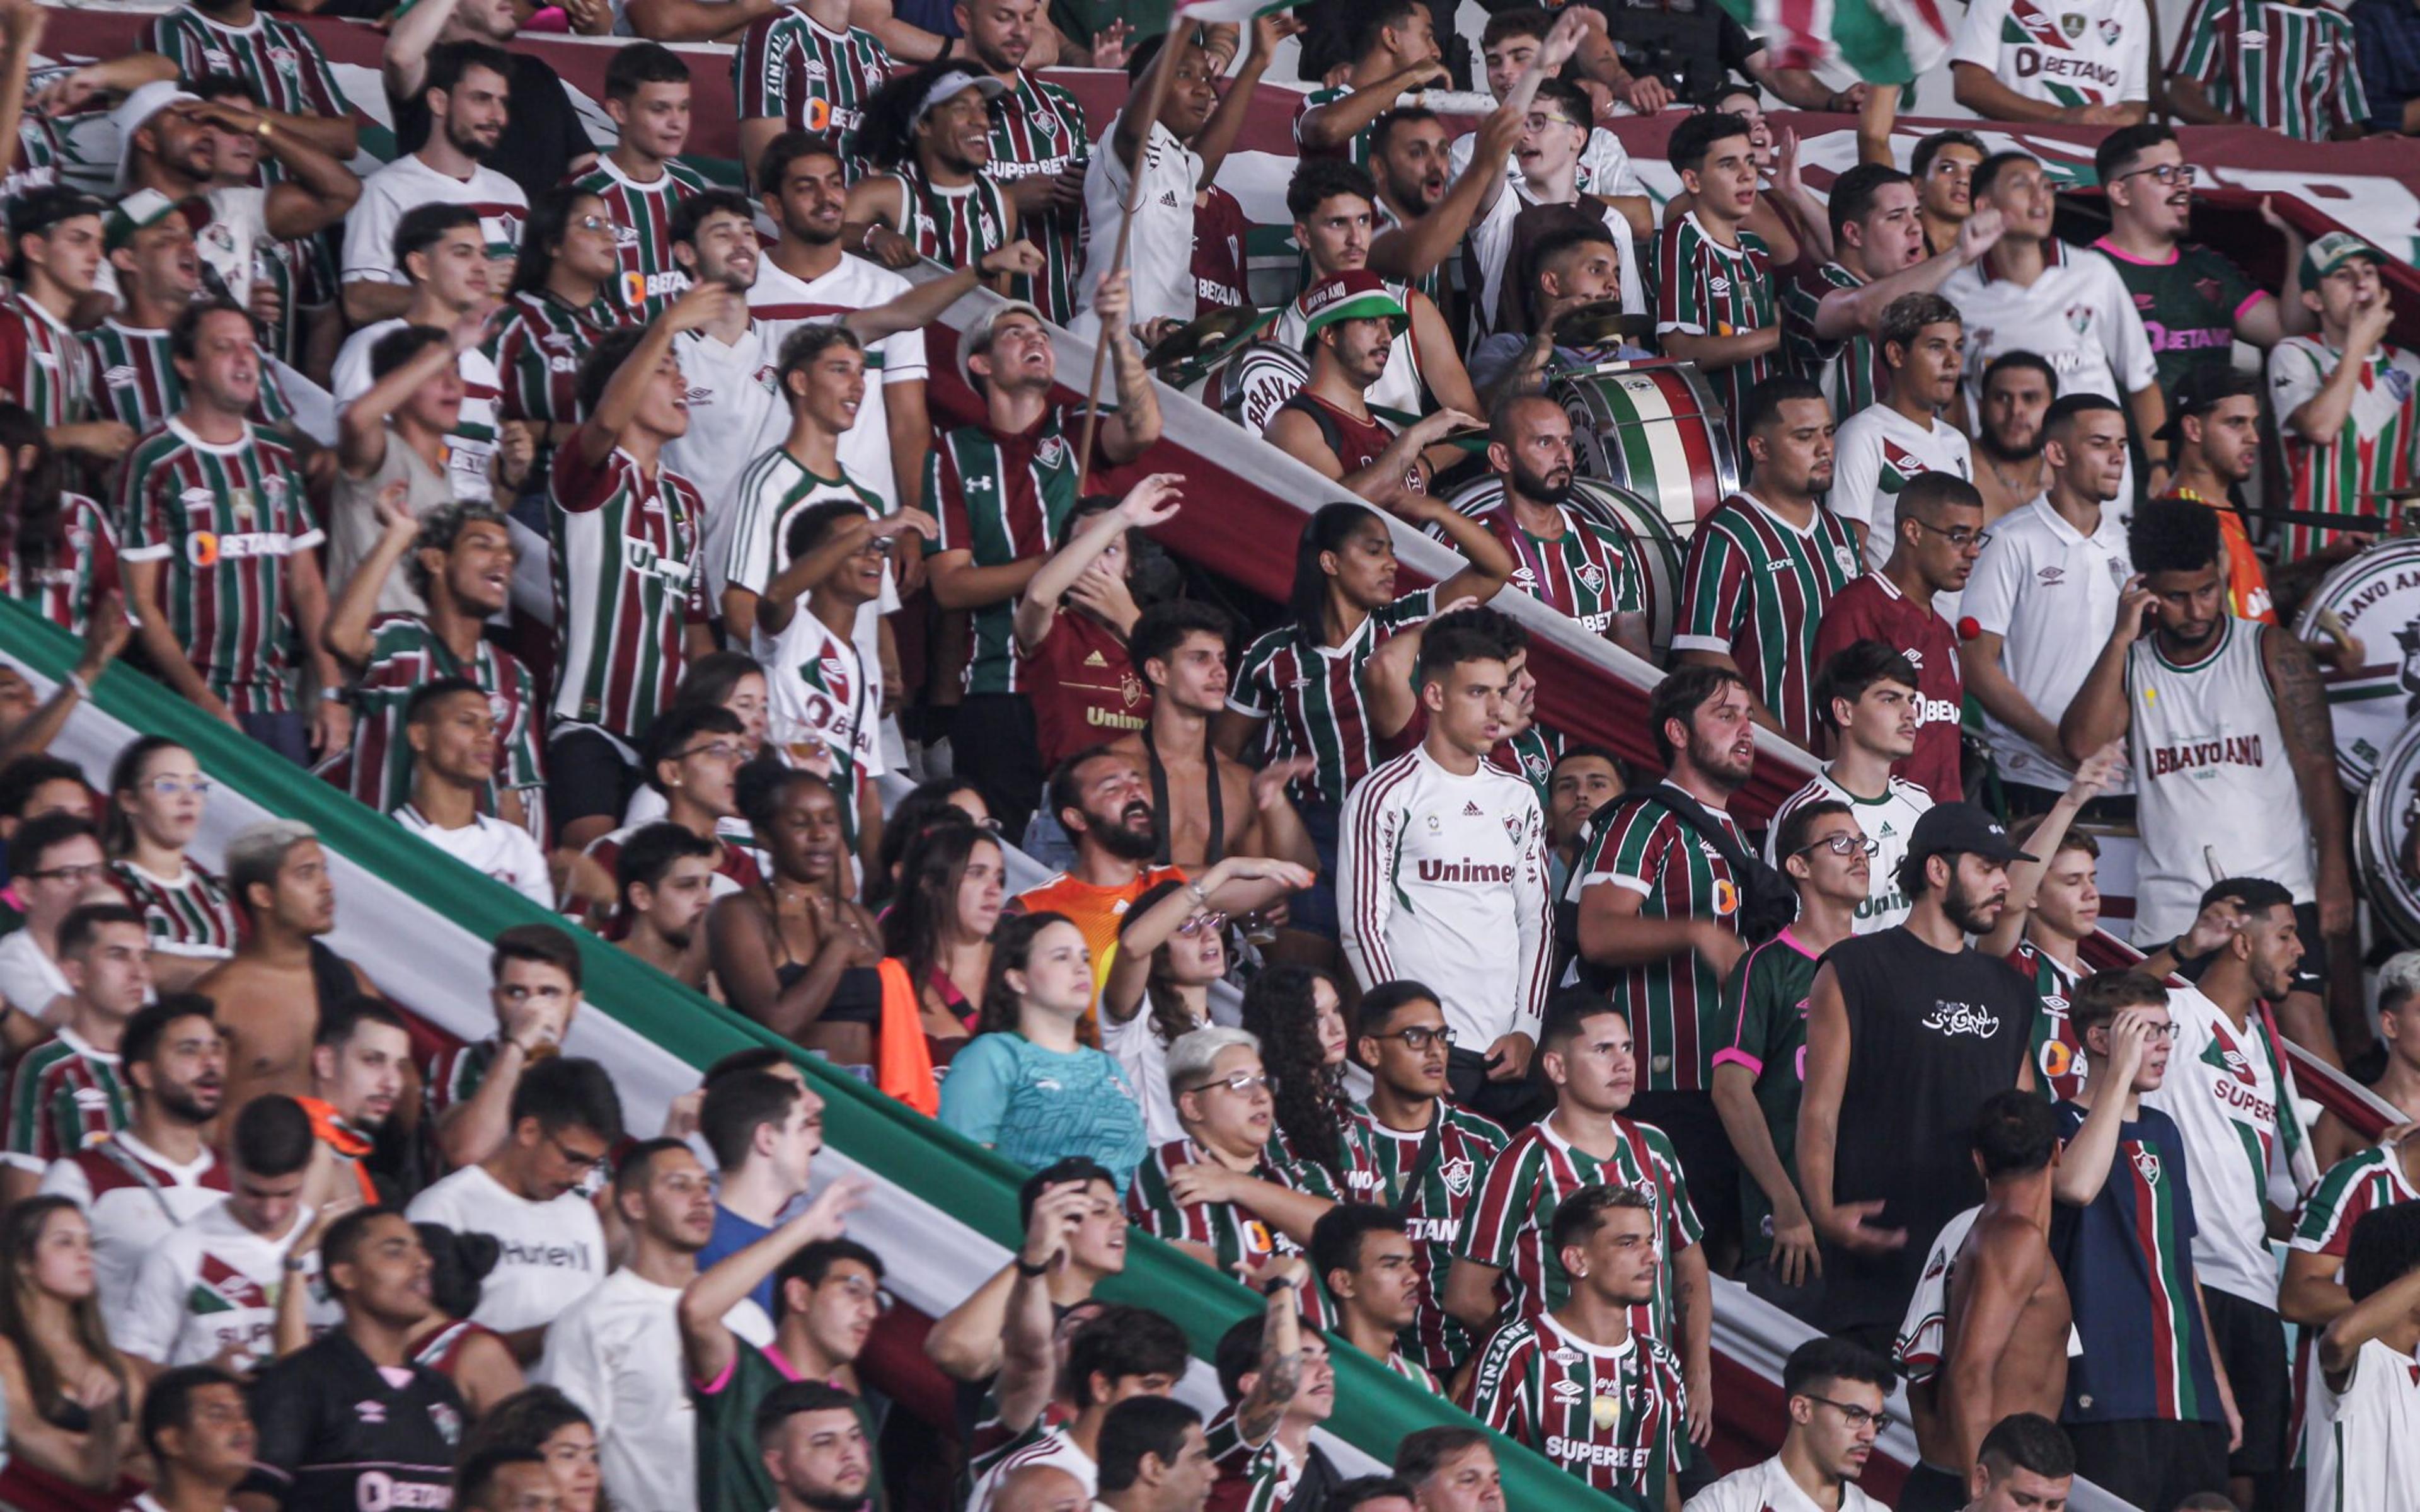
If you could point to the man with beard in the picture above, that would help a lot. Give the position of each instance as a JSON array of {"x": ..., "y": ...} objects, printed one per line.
[
  {"x": 212, "y": 1288},
  {"x": 1763, "y": 565},
  {"x": 468, "y": 93},
  {"x": 616, "y": 1352},
  {"x": 2228, "y": 731},
  {"x": 817, "y": 1449},
  {"x": 1575, "y": 266},
  {"x": 157, "y": 1171},
  {"x": 542, "y": 142},
  {"x": 1350, "y": 325},
  {"x": 663, "y": 882},
  {"x": 1915, "y": 1020},
  {"x": 1208, "y": 808},
  {"x": 641, "y": 181},
  {"x": 1937, "y": 532},
  {"x": 1834, "y": 1392},
  {"x": 1657, "y": 899},
  {"x": 55, "y": 252},
  {"x": 354, "y": 1416},
  {"x": 1408, "y": 157},
  {"x": 281, "y": 61},
  {"x": 2017, "y": 390},
  {"x": 2214, "y": 420},
  {"x": 1835, "y": 316},
  {"x": 460, "y": 562},
  {"x": 1575, "y": 566},
  {"x": 2043, "y": 598},
  {"x": 2195, "y": 301},
  {"x": 361, "y": 1057},
  {"x": 1902, "y": 435},
  {"x": 221, "y": 575},
  {"x": 281, "y": 980},
  {"x": 1943, "y": 166},
  {"x": 1582, "y": 1384},
  {"x": 1039, "y": 147},
  {"x": 1333, "y": 204},
  {"x": 929, "y": 132},
  {"x": 1441, "y": 871},
  {"x": 1104, "y": 801}
]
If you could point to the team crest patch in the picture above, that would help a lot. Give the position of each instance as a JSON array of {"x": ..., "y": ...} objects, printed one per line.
[
  {"x": 1457, "y": 1173},
  {"x": 2071, "y": 23},
  {"x": 1052, "y": 452},
  {"x": 1591, "y": 576},
  {"x": 1512, "y": 828},
  {"x": 2147, "y": 1163},
  {"x": 448, "y": 1421},
  {"x": 2111, "y": 31},
  {"x": 2397, "y": 382},
  {"x": 2207, "y": 288},
  {"x": 1844, "y": 558},
  {"x": 2079, "y": 318}
]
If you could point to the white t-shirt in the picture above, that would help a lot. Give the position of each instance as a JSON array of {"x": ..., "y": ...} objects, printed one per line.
[
  {"x": 470, "y": 451},
  {"x": 553, "y": 1252},
  {"x": 2072, "y": 51},
  {"x": 1143, "y": 1056},
  {"x": 2364, "y": 1439},
  {"x": 213, "y": 1285},
  {"x": 1876, "y": 453},
  {"x": 238, "y": 227},
  {"x": 817, "y": 681},
  {"x": 134, "y": 1197},
  {"x": 1160, "y": 252},
  {"x": 736, "y": 414},
  {"x": 758, "y": 508},
  {"x": 781, "y": 302},
  {"x": 1767, "y": 1488},
  {"x": 1604, "y": 165},
  {"x": 1887, "y": 820},
  {"x": 29, "y": 978},
  {"x": 407, "y": 183},
  {"x": 2050, "y": 593},
  {"x": 1052, "y": 1448},
  {"x": 491, "y": 848},
  {"x": 2077, "y": 316},
  {"x": 1491, "y": 242}
]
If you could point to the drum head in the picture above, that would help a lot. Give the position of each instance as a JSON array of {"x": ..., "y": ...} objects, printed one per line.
[
  {"x": 1655, "y": 552},
  {"x": 2377, "y": 596},
  {"x": 1251, "y": 386},
  {"x": 2381, "y": 836},
  {"x": 1655, "y": 428}
]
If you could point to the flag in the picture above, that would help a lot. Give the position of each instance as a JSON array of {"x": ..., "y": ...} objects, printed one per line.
[
  {"x": 1219, "y": 12},
  {"x": 1880, "y": 41}
]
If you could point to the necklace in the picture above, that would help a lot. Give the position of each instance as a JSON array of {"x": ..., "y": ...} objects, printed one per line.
[{"x": 2009, "y": 484}]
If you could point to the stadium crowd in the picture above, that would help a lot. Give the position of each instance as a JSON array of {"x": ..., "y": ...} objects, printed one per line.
[{"x": 588, "y": 517}]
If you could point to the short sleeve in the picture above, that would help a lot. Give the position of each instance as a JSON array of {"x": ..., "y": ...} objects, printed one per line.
[
  {"x": 1709, "y": 610},
  {"x": 1681, "y": 1226},
  {"x": 1493, "y": 1227},
  {"x": 945, "y": 498},
  {"x": 369, "y": 236},
  {"x": 902, "y": 358},
  {"x": 2204, "y": 41},
  {"x": 974, "y": 1095},
  {"x": 1743, "y": 1006},
  {"x": 1978, "y": 40},
  {"x": 154, "y": 1310},
  {"x": 283, "y": 1404},
  {"x": 1991, "y": 597},
  {"x": 2295, "y": 376},
  {"x": 576, "y": 483},
  {"x": 1677, "y": 308}
]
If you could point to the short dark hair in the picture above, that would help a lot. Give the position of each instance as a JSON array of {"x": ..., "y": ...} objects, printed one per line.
[
  {"x": 1058, "y": 1173},
  {"x": 1377, "y": 16},
  {"x": 1163, "y": 627},
  {"x": 2172, "y": 535},
  {"x": 1905, "y": 317},
  {"x": 2119, "y": 148},
  {"x": 344, "y": 1237},
  {"x": 44, "y": 833},
  {"x": 222, "y": 86},
  {"x": 691, "y": 212},
  {"x": 27, "y": 775},
  {"x": 139, "y": 1041},
  {"x": 1584, "y": 1213},
  {"x": 1854, "y": 191},
  {"x": 637, "y": 63},
  {"x": 2066, "y": 406},
  {"x": 168, "y": 1401},
  {"x": 273, "y": 1137},
  {"x": 1423, "y": 1452},
  {"x": 2384, "y": 1248},
  {"x": 630, "y": 1171},
  {"x": 815, "y": 1262},
  {"x": 449, "y": 61},
  {"x": 1920, "y": 162},
  {"x": 569, "y": 1092},
  {"x": 2015, "y": 1132},
  {"x": 1445, "y": 647},
  {"x": 1559, "y": 242},
  {"x": 1382, "y": 131},
  {"x": 1987, "y": 172},
  {"x": 1937, "y": 489},
  {"x": 397, "y": 347},
  {"x": 1379, "y": 1003},
  {"x": 1336, "y": 1239},
  {"x": 810, "y": 341},
  {"x": 1696, "y": 136},
  {"x": 793, "y": 1397},
  {"x": 1317, "y": 180},
  {"x": 339, "y": 1019},
  {"x": 1567, "y": 1009},
  {"x": 810, "y": 526},
  {"x": 1823, "y": 1359},
  {"x": 787, "y": 148},
  {"x": 1067, "y": 791},
  {"x": 423, "y": 702},
  {"x": 185, "y": 331},
  {"x": 1679, "y": 695},
  {"x": 2254, "y": 895},
  {"x": 676, "y": 728},
  {"x": 1789, "y": 834},
  {"x": 736, "y": 1105},
  {"x": 477, "y": 1480},
  {"x": 2018, "y": 362},
  {"x": 1359, "y": 1493},
  {"x": 78, "y": 931},
  {"x": 1139, "y": 1425},
  {"x": 1238, "y": 1352},
  {"x": 612, "y": 352},
  {"x": 1573, "y": 99},
  {"x": 2100, "y": 997},
  {"x": 2028, "y": 1442},
  {"x": 1763, "y": 403},
  {"x": 650, "y": 852},
  {"x": 419, "y": 228},
  {"x": 755, "y": 1058},
  {"x": 1521, "y": 21},
  {"x": 542, "y": 943},
  {"x": 1853, "y": 668},
  {"x": 1122, "y": 1342}
]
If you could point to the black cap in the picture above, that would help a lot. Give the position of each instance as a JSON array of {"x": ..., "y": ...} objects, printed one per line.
[
  {"x": 2203, "y": 387},
  {"x": 43, "y": 209},
  {"x": 1962, "y": 829}
]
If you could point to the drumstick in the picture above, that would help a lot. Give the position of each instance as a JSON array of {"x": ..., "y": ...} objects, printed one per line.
[{"x": 2332, "y": 624}]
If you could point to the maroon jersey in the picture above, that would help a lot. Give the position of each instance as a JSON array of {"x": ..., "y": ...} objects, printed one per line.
[
  {"x": 1219, "y": 228},
  {"x": 1874, "y": 609},
  {"x": 1084, "y": 689},
  {"x": 1356, "y": 442}
]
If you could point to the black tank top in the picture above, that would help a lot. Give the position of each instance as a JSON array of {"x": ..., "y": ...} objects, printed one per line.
[{"x": 1930, "y": 1036}]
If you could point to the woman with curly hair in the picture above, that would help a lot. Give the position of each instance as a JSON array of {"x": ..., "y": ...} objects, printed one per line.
[
  {"x": 1299, "y": 1016},
  {"x": 544, "y": 1421},
  {"x": 72, "y": 1398},
  {"x": 471, "y": 1356}
]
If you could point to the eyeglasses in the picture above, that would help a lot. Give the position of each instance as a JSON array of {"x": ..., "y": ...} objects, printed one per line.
[
  {"x": 91, "y": 871},
  {"x": 722, "y": 750},
  {"x": 1214, "y": 922},
  {"x": 1539, "y": 123},
  {"x": 1419, "y": 1037},
  {"x": 1842, "y": 843},
  {"x": 1961, "y": 536},
  {"x": 1243, "y": 1084},
  {"x": 1856, "y": 1417},
  {"x": 862, "y": 1290},
  {"x": 579, "y": 1158},
  {"x": 593, "y": 223},
  {"x": 169, "y": 787},
  {"x": 2166, "y": 172}
]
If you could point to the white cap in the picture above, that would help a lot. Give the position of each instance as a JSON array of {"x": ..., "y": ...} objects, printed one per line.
[
  {"x": 950, "y": 86},
  {"x": 136, "y": 111}
]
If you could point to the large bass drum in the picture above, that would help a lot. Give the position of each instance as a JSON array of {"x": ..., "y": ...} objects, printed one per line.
[
  {"x": 1655, "y": 548},
  {"x": 1253, "y": 382},
  {"x": 1657, "y": 429},
  {"x": 2382, "y": 837},
  {"x": 2377, "y": 596}
]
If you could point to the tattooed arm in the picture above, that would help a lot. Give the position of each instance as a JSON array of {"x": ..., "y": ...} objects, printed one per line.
[
  {"x": 1277, "y": 1374},
  {"x": 2301, "y": 706}
]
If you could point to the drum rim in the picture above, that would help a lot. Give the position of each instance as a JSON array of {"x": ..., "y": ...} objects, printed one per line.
[
  {"x": 2306, "y": 628},
  {"x": 2372, "y": 840},
  {"x": 1710, "y": 407}
]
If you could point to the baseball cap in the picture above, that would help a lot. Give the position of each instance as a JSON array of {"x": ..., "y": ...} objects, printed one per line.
[
  {"x": 2203, "y": 389},
  {"x": 1357, "y": 295},
  {"x": 135, "y": 111},
  {"x": 1965, "y": 830},
  {"x": 147, "y": 207},
  {"x": 34, "y": 213},
  {"x": 2332, "y": 252},
  {"x": 950, "y": 86},
  {"x": 976, "y": 339}
]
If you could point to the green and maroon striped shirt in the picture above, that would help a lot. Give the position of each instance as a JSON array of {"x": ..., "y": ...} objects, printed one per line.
[
  {"x": 1755, "y": 590},
  {"x": 642, "y": 219}
]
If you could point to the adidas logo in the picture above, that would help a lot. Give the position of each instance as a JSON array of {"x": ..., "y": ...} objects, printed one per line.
[
  {"x": 1887, "y": 831},
  {"x": 1472, "y": 810},
  {"x": 1096, "y": 659}
]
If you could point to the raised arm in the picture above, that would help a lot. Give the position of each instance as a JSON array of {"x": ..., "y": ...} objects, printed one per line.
[
  {"x": 1153, "y": 501},
  {"x": 2099, "y": 713},
  {"x": 705, "y": 304},
  {"x": 416, "y": 29},
  {"x": 924, "y": 304},
  {"x": 1277, "y": 1374},
  {"x": 1858, "y": 311},
  {"x": 346, "y": 634},
  {"x": 2319, "y": 419},
  {"x": 361, "y": 425},
  {"x": 1141, "y": 937},
  {"x": 2084, "y": 1164},
  {"x": 1226, "y": 123},
  {"x": 1331, "y": 127},
  {"x": 2093, "y": 774},
  {"x": 1134, "y": 429},
  {"x": 1420, "y": 246},
  {"x": 707, "y": 1345}
]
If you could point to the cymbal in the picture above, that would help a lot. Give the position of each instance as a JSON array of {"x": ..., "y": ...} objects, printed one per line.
[
  {"x": 1203, "y": 334},
  {"x": 1600, "y": 323}
]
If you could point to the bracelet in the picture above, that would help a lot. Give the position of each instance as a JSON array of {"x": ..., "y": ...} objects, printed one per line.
[
  {"x": 1269, "y": 1288},
  {"x": 1032, "y": 1272},
  {"x": 295, "y": 1264},
  {"x": 332, "y": 695},
  {"x": 1199, "y": 896},
  {"x": 75, "y": 680}
]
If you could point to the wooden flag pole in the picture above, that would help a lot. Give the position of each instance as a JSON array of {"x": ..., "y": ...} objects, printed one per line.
[{"x": 1154, "y": 98}]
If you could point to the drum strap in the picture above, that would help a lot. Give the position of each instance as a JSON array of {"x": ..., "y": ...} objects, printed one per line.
[{"x": 1215, "y": 849}]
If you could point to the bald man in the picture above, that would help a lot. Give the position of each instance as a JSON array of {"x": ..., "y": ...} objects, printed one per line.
[{"x": 1040, "y": 1488}]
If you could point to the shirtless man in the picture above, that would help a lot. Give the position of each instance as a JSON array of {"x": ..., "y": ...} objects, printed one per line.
[
  {"x": 1179, "y": 650},
  {"x": 269, "y": 994},
  {"x": 1999, "y": 1300},
  {"x": 2017, "y": 392}
]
